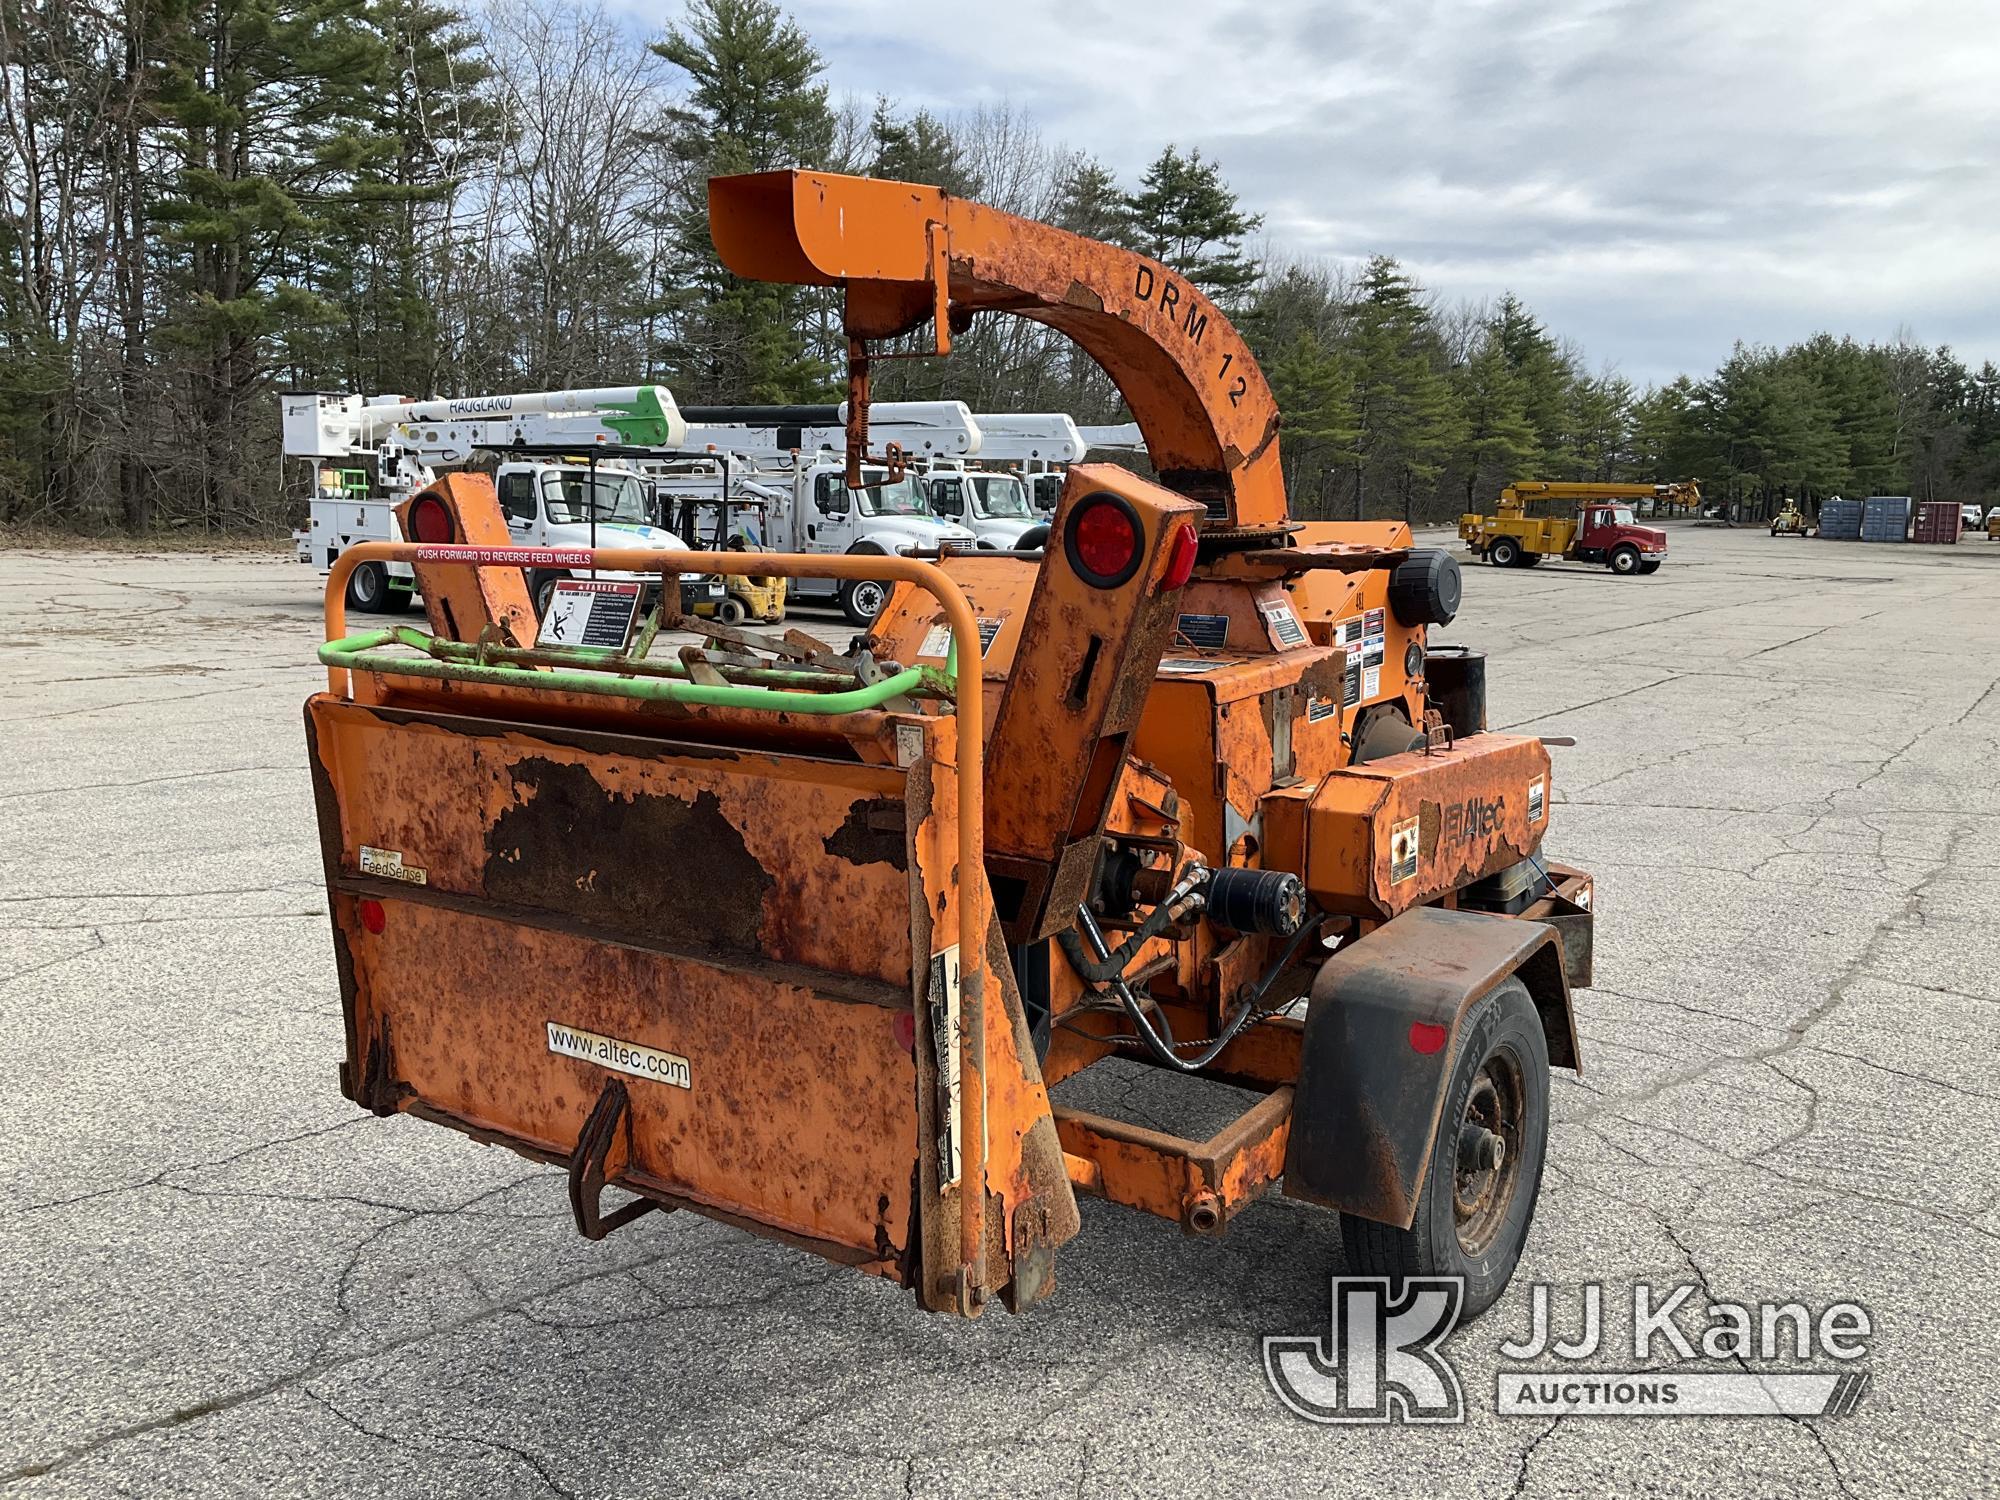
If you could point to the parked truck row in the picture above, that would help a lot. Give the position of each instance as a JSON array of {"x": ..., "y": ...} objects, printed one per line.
[{"x": 623, "y": 466}]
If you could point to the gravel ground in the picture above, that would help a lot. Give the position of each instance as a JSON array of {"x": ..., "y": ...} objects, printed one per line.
[{"x": 223, "y": 1279}]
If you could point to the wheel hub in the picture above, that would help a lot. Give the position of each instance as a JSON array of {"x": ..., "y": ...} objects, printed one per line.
[{"x": 1488, "y": 1167}]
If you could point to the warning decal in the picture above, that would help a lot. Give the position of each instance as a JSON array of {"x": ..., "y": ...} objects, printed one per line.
[
  {"x": 1403, "y": 851},
  {"x": 1537, "y": 799},
  {"x": 1207, "y": 631},
  {"x": 1286, "y": 631},
  {"x": 590, "y": 612}
]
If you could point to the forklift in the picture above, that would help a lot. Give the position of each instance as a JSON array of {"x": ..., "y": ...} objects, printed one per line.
[
  {"x": 713, "y": 523},
  {"x": 806, "y": 936}
]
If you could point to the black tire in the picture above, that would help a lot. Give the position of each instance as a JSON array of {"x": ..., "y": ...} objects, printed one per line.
[
  {"x": 368, "y": 591},
  {"x": 731, "y": 611},
  {"x": 1625, "y": 560},
  {"x": 861, "y": 600},
  {"x": 1504, "y": 553},
  {"x": 1499, "y": 1076},
  {"x": 1649, "y": 567},
  {"x": 1531, "y": 559}
]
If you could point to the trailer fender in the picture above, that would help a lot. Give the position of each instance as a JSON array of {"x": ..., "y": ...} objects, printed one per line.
[{"x": 1381, "y": 1032}]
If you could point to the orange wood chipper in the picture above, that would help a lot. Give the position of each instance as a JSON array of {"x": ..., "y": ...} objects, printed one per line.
[{"x": 801, "y": 937}]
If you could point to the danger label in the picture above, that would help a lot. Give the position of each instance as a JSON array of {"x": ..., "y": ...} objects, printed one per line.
[{"x": 590, "y": 612}]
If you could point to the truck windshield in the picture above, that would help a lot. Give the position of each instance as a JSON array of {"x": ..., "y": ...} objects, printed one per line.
[
  {"x": 903, "y": 498},
  {"x": 1619, "y": 515},
  {"x": 571, "y": 496},
  {"x": 1001, "y": 497}
]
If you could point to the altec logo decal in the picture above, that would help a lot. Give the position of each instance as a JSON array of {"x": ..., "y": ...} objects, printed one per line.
[
  {"x": 1475, "y": 817},
  {"x": 623, "y": 1057}
]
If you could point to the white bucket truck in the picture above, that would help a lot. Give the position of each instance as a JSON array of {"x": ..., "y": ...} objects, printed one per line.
[{"x": 548, "y": 501}]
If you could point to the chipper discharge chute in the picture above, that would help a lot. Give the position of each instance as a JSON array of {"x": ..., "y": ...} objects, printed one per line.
[{"x": 801, "y": 937}]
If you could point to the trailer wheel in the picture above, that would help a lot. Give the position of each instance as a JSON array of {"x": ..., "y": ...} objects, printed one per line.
[
  {"x": 1485, "y": 1171},
  {"x": 731, "y": 611},
  {"x": 1625, "y": 560},
  {"x": 368, "y": 591},
  {"x": 861, "y": 600},
  {"x": 1504, "y": 553}
]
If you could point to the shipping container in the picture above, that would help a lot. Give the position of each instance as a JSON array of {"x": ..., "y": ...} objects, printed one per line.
[
  {"x": 1938, "y": 522},
  {"x": 1885, "y": 518},
  {"x": 1840, "y": 520}
]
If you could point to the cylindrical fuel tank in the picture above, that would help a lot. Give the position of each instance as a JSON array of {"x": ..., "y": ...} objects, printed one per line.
[{"x": 1455, "y": 682}]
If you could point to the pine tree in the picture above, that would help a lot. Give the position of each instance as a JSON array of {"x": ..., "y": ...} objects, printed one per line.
[
  {"x": 1089, "y": 202},
  {"x": 1186, "y": 217},
  {"x": 1314, "y": 388},
  {"x": 919, "y": 149},
  {"x": 1545, "y": 381},
  {"x": 389, "y": 264},
  {"x": 756, "y": 103},
  {"x": 267, "y": 101},
  {"x": 1408, "y": 419},
  {"x": 1500, "y": 441}
]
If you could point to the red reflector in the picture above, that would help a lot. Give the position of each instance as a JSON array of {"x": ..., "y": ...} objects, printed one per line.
[
  {"x": 1426, "y": 1038},
  {"x": 904, "y": 1029},
  {"x": 373, "y": 917},
  {"x": 1180, "y": 558},
  {"x": 1106, "y": 539},
  {"x": 430, "y": 521}
]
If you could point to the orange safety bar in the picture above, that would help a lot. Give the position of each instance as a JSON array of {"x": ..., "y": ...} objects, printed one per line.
[{"x": 971, "y": 768}]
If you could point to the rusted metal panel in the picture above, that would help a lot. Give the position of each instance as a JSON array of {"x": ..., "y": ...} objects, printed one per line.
[
  {"x": 1400, "y": 831},
  {"x": 798, "y": 1109},
  {"x": 1378, "y": 1050},
  {"x": 1198, "y": 1184},
  {"x": 1028, "y": 1208},
  {"x": 746, "y": 854}
]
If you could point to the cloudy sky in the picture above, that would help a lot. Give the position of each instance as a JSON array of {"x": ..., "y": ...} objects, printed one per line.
[{"x": 1657, "y": 178}]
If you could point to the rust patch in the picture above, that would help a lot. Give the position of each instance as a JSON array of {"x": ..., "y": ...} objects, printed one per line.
[
  {"x": 655, "y": 862},
  {"x": 872, "y": 835}
]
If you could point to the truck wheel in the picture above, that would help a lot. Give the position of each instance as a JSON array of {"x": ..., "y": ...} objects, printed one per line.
[
  {"x": 1479, "y": 1193},
  {"x": 1625, "y": 560},
  {"x": 368, "y": 590},
  {"x": 542, "y": 589},
  {"x": 731, "y": 611},
  {"x": 861, "y": 600},
  {"x": 1504, "y": 553}
]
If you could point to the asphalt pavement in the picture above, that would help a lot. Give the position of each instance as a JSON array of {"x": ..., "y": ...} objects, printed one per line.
[{"x": 223, "y": 1279}]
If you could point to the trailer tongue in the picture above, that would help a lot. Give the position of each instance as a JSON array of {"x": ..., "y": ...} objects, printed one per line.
[{"x": 801, "y": 938}]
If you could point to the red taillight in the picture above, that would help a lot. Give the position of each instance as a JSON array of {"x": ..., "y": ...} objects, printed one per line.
[
  {"x": 373, "y": 916},
  {"x": 429, "y": 521},
  {"x": 1102, "y": 540},
  {"x": 1180, "y": 557}
]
